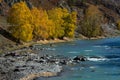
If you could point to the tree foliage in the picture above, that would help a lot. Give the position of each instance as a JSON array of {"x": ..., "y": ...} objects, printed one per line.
[
  {"x": 56, "y": 16},
  {"x": 40, "y": 24},
  {"x": 43, "y": 27},
  {"x": 20, "y": 19},
  {"x": 90, "y": 26},
  {"x": 64, "y": 22},
  {"x": 69, "y": 24}
]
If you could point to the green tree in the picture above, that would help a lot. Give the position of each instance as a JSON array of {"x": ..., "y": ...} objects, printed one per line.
[
  {"x": 20, "y": 19},
  {"x": 90, "y": 26}
]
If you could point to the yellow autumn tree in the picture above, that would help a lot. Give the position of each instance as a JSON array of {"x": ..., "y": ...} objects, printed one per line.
[
  {"x": 64, "y": 22},
  {"x": 42, "y": 25},
  {"x": 69, "y": 24},
  {"x": 56, "y": 16},
  {"x": 20, "y": 19}
]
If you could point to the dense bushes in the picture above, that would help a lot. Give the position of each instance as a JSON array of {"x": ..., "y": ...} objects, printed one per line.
[{"x": 39, "y": 24}]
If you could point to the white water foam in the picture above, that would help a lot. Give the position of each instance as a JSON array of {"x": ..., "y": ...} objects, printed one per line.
[
  {"x": 105, "y": 46},
  {"x": 97, "y": 59}
]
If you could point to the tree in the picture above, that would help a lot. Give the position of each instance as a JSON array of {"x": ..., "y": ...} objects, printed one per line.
[
  {"x": 42, "y": 25},
  {"x": 69, "y": 24},
  {"x": 39, "y": 24},
  {"x": 64, "y": 22},
  {"x": 90, "y": 26},
  {"x": 56, "y": 16},
  {"x": 20, "y": 19}
]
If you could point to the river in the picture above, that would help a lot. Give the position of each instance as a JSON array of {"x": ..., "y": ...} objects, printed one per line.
[{"x": 103, "y": 56}]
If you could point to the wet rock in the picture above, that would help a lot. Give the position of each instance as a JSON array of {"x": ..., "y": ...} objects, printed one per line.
[
  {"x": 17, "y": 64},
  {"x": 16, "y": 70},
  {"x": 51, "y": 61},
  {"x": 63, "y": 62},
  {"x": 80, "y": 58},
  {"x": 10, "y": 54},
  {"x": 2, "y": 73}
]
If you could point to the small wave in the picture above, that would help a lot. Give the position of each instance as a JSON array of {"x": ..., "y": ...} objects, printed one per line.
[
  {"x": 73, "y": 52},
  {"x": 115, "y": 59},
  {"x": 92, "y": 67},
  {"x": 88, "y": 50},
  {"x": 106, "y": 58},
  {"x": 96, "y": 59},
  {"x": 97, "y": 46},
  {"x": 106, "y": 46}
]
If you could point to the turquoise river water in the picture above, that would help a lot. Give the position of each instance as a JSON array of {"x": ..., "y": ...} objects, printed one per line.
[{"x": 107, "y": 67}]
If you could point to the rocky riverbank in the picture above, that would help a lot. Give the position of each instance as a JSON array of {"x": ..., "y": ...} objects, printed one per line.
[
  {"x": 10, "y": 46},
  {"x": 27, "y": 63}
]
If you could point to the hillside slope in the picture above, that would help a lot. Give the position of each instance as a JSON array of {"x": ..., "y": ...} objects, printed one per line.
[{"x": 109, "y": 8}]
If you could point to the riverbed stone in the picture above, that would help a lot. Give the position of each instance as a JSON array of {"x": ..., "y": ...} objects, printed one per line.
[
  {"x": 79, "y": 58},
  {"x": 15, "y": 65}
]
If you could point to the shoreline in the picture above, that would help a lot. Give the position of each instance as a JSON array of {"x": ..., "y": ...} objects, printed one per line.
[
  {"x": 42, "y": 74},
  {"x": 27, "y": 63},
  {"x": 27, "y": 44}
]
